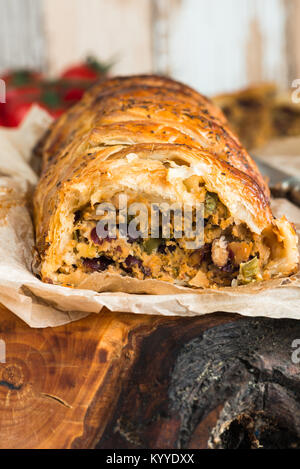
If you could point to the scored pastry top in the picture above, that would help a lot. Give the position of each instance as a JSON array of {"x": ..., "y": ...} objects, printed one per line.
[{"x": 130, "y": 134}]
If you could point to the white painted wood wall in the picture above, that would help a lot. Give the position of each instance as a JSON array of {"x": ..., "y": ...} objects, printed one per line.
[{"x": 213, "y": 45}]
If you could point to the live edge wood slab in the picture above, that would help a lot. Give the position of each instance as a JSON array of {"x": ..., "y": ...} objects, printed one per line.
[{"x": 134, "y": 381}]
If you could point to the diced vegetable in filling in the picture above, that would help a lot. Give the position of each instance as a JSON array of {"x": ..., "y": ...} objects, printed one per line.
[
  {"x": 231, "y": 254},
  {"x": 249, "y": 271}
]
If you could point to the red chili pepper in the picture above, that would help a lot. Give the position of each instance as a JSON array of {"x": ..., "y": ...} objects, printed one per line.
[
  {"x": 91, "y": 70},
  {"x": 73, "y": 94},
  {"x": 25, "y": 87},
  {"x": 13, "y": 115},
  {"x": 19, "y": 78}
]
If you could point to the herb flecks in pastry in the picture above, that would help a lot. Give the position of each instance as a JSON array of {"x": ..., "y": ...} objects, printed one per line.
[{"x": 155, "y": 141}]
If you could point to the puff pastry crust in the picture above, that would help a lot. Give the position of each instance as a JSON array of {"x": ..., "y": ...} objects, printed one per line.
[{"x": 154, "y": 139}]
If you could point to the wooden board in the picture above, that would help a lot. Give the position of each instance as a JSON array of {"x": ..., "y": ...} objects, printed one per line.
[
  {"x": 218, "y": 46},
  {"x": 114, "y": 30},
  {"x": 121, "y": 380},
  {"x": 213, "y": 45},
  {"x": 22, "y": 36},
  {"x": 59, "y": 386}
]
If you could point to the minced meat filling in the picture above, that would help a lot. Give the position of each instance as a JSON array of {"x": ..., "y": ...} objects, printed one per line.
[{"x": 231, "y": 254}]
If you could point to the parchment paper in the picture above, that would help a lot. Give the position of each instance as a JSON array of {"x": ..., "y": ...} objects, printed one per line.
[{"x": 42, "y": 305}]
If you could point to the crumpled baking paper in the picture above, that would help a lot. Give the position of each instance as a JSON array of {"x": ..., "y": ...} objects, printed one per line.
[{"x": 42, "y": 305}]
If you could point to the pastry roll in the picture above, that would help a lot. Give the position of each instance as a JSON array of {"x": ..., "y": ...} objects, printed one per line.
[{"x": 154, "y": 141}]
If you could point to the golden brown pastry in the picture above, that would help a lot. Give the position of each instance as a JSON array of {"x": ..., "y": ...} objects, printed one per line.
[
  {"x": 154, "y": 140},
  {"x": 285, "y": 116},
  {"x": 249, "y": 113},
  {"x": 259, "y": 113}
]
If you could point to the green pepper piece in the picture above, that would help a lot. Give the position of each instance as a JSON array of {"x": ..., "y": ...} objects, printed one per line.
[
  {"x": 151, "y": 244},
  {"x": 76, "y": 235},
  {"x": 249, "y": 271},
  {"x": 211, "y": 200}
]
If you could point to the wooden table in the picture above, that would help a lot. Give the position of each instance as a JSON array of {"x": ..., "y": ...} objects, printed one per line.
[{"x": 117, "y": 380}]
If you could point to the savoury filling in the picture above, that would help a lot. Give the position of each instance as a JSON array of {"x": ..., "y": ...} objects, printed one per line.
[{"x": 230, "y": 255}]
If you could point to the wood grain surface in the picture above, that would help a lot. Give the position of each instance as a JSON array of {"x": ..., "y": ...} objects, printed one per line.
[
  {"x": 114, "y": 30},
  {"x": 22, "y": 36},
  {"x": 59, "y": 386},
  {"x": 117, "y": 380},
  {"x": 49, "y": 383},
  {"x": 213, "y": 45}
]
